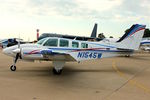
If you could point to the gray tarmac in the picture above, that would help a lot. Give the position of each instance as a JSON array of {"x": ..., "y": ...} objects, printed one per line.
[{"x": 117, "y": 78}]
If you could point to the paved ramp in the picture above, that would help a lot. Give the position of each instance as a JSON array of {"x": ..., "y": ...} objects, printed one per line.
[{"x": 107, "y": 79}]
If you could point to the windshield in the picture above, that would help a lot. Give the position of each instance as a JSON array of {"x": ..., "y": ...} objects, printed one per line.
[
  {"x": 51, "y": 42},
  {"x": 41, "y": 41}
]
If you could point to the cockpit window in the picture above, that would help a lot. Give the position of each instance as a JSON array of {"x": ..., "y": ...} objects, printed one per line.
[
  {"x": 64, "y": 43},
  {"x": 75, "y": 44},
  {"x": 51, "y": 42},
  {"x": 41, "y": 41}
]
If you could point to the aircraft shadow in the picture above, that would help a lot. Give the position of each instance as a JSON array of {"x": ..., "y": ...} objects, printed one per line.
[
  {"x": 70, "y": 77},
  {"x": 66, "y": 71},
  {"x": 137, "y": 57},
  {"x": 69, "y": 71}
]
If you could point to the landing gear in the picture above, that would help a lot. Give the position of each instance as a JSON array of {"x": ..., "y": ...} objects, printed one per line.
[
  {"x": 13, "y": 68},
  {"x": 58, "y": 66},
  {"x": 127, "y": 55},
  {"x": 57, "y": 72}
]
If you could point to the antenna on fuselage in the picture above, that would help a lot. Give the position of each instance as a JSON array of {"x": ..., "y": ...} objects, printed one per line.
[{"x": 75, "y": 38}]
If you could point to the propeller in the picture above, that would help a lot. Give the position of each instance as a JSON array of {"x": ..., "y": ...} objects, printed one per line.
[
  {"x": 17, "y": 51},
  {"x": 19, "y": 44},
  {"x": 16, "y": 58}
]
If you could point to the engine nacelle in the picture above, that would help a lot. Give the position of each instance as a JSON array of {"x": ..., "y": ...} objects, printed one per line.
[{"x": 31, "y": 53}]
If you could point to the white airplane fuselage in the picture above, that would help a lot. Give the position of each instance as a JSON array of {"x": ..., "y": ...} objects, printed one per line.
[
  {"x": 61, "y": 50},
  {"x": 34, "y": 51}
]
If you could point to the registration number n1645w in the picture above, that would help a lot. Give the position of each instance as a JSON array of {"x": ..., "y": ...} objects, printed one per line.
[{"x": 89, "y": 55}]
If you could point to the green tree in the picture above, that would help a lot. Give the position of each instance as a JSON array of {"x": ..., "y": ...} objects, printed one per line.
[
  {"x": 146, "y": 33},
  {"x": 101, "y": 35},
  {"x": 111, "y": 37}
]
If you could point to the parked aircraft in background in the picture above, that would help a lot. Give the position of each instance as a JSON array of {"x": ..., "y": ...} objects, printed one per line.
[
  {"x": 61, "y": 50},
  {"x": 10, "y": 42},
  {"x": 94, "y": 32},
  {"x": 145, "y": 44},
  {"x": 146, "y": 48},
  {"x": 82, "y": 38}
]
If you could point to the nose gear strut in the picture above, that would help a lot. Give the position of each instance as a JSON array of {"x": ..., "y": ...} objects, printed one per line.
[{"x": 13, "y": 67}]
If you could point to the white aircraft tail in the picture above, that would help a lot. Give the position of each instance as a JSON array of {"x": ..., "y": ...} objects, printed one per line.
[{"x": 132, "y": 39}]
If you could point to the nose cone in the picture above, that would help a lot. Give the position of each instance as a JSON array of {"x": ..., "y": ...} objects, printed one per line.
[
  {"x": 6, "y": 51},
  {"x": 9, "y": 51}
]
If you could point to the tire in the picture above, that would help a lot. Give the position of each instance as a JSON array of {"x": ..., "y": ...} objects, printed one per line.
[
  {"x": 127, "y": 55},
  {"x": 13, "y": 68},
  {"x": 55, "y": 72}
]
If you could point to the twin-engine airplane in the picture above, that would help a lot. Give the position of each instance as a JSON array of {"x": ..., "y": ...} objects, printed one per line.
[{"x": 61, "y": 50}]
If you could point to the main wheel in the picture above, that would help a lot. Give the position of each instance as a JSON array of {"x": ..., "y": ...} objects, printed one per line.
[
  {"x": 13, "y": 68},
  {"x": 127, "y": 55},
  {"x": 57, "y": 72}
]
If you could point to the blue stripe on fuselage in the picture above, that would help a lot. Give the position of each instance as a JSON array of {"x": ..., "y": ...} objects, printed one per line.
[
  {"x": 77, "y": 50},
  {"x": 145, "y": 42},
  {"x": 72, "y": 49},
  {"x": 102, "y": 45}
]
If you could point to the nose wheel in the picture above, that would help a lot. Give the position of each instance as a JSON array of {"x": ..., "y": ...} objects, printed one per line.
[{"x": 13, "y": 68}]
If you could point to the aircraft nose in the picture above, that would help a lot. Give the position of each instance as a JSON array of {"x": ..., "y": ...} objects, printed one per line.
[{"x": 6, "y": 51}]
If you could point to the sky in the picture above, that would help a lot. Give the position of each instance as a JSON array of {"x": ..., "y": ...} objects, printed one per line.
[{"x": 21, "y": 18}]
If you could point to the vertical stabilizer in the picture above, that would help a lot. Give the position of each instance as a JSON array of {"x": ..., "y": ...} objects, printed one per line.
[
  {"x": 132, "y": 39},
  {"x": 94, "y": 32}
]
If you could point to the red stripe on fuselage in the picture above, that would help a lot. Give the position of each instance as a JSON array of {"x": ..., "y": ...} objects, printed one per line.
[
  {"x": 136, "y": 31},
  {"x": 33, "y": 52}
]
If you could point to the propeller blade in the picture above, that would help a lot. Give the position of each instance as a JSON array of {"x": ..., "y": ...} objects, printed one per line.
[
  {"x": 18, "y": 44},
  {"x": 16, "y": 58}
]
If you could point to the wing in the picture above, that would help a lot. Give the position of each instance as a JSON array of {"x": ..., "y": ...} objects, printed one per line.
[
  {"x": 56, "y": 55},
  {"x": 71, "y": 55},
  {"x": 85, "y": 55}
]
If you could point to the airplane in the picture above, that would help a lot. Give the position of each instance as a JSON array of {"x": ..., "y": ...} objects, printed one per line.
[
  {"x": 146, "y": 49},
  {"x": 84, "y": 38},
  {"x": 145, "y": 44},
  {"x": 10, "y": 42},
  {"x": 61, "y": 50}
]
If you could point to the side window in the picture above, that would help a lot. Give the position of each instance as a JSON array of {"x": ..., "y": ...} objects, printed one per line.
[
  {"x": 84, "y": 45},
  {"x": 51, "y": 42},
  {"x": 75, "y": 44},
  {"x": 64, "y": 43}
]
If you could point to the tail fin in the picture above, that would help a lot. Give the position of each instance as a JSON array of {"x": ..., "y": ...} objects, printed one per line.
[
  {"x": 132, "y": 39},
  {"x": 94, "y": 32}
]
